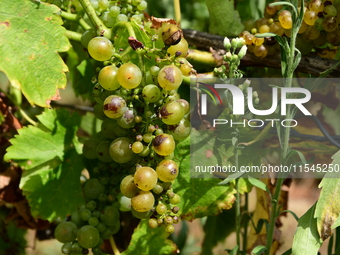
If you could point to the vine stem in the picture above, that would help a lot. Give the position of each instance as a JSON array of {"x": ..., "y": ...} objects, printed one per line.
[
  {"x": 114, "y": 246},
  {"x": 73, "y": 35},
  {"x": 23, "y": 113},
  {"x": 177, "y": 8},
  {"x": 75, "y": 17},
  {"x": 96, "y": 22},
  {"x": 291, "y": 58},
  {"x": 125, "y": 24}
]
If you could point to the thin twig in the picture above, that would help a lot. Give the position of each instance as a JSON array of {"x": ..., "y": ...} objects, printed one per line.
[{"x": 113, "y": 246}]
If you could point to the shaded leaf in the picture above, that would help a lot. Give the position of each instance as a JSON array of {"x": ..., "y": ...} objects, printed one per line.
[
  {"x": 148, "y": 241},
  {"x": 50, "y": 156},
  {"x": 306, "y": 239},
  {"x": 199, "y": 197},
  {"x": 224, "y": 19},
  {"x": 31, "y": 36}
]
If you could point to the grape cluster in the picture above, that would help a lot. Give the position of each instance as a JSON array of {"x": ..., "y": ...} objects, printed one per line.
[
  {"x": 92, "y": 223},
  {"x": 111, "y": 12},
  {"x": 143, "y": 116},
  {"x": 319, "y": 28}
]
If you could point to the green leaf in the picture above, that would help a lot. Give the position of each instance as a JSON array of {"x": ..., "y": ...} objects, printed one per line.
[
  {"x": 224, "y": 19},
  {"x": 31, "y": 36},
  {"x": 328, "y": 205},
  {"x": 199, "y": 197},
  {"x": 306, "y": 239},
  {"x": 217, "y": 228},
  {"x": 83, "y": 85},
  {"x": 336, "y": 223},
  {"x": 50, "y": 156},
  {"x": 258, "y": 250},
  {"x": 257, "y": 183},
  {"x": 148, "y": 241}
]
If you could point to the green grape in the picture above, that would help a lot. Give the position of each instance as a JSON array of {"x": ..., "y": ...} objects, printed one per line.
[
  {"x": 103, "y": 151},
  {"x": 142, "y": 6},
  {"x": 96, "y": 93},
  {"x": 76, "y": 249},
  {"x": 66, "y": 248},
  {"x": 329, "y": 11},
  {"x": 170, "y": 229},
  {"x": 114, "y": 11},
  {"x": 185, "y": 66},
  {"x": 136, "y": 2},
  {"x": 110, "y": 216},
  {"x": 332, "y": 37},
  {"x": 161, "y": 209},
  {"x": 163, "y": 144},
  {"x": 128, "y": 187},
  {"x": 94, "y": 3},
  {"x": 303, "y": 27},
  {"x": 173, "y": 97},
  {"x": 93, "y": 221},
  {"x": 151, "y": 93},
  {"x": 154, "y": 70},
  {"x": 92, "y": 189},
  {"x": 322, "y": 39},
  {"x": 122, "y": 17},
  {"x": 137, "y": 147},
  {"x": 172, "y": 113},
  {"x": 120, "y": 150},
  {"x": 85, "y": 214},
  {"x": 102, "y": 198},
  {"x": 285, "y": 19},
  {"x": 88, "y": 236},
  {"x": 89, "y": 148},
  {"x": 107, "y": 93},
  {"x": 87, "y": 36},
  {"x": 100, "y": 48},
  {"x": 127, "y": 120},
  {"x": 75, "y": 218},
  {"x": 141, "y": 215},
  {"x": 107, "y": 77},
  {"x": 276, "y": 28},
  {"x": 311, "y": 33},
  {"x": 179, "y": 49},
  {"x": 147, "y": 137},
  {"x": 145, "y": 178},
  {"x": 168, "y": 220},
  {"x": 108, "y": 128},
  {"x": 158, "y": 189},
  {"x": 96, "y": 213},
  {"x": 181, "y": 130},
  {"x": 107, "y": 19},
  {"x": 129, "y": 76},
  {"x": 153, "y": 223},
  {"x": 185, "y": 104},
  {"x": 145, "y": 152},
  {"x": 170, "y": 77},
  {"x": 143, "y": 201},
  {"x": 175, "y": 199},
  {"x": 101, "y": 227},
  {"x": 318, "y": 24},
  {"x": 114, "y": 106},
  {"x": 264, "y": 29},
  {"x": 125, "y": 204},
  {"x": 66, "y": 232},
  {"x": 103, "y": 4},
  {"x": 98, "y": 111},
  {"x": 167, "y": 170}
]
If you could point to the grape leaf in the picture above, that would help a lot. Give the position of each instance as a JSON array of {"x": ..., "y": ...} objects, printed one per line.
[
  {"x": 328, "y": 205},
  {"x": 224, "y": 19},
  {"x": 31, "y": 36},
  {"x": 49, "y": 154},
  {"x": 306, "y": 239},
  {"x": 148, "y": 241},
  {"x": 199, "y": 197}
]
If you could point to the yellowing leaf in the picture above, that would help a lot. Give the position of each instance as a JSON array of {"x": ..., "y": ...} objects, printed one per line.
[{"x": 31, "y": 36}]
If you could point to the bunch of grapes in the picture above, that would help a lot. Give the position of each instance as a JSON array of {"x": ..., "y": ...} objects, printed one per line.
[
  {"x": 319, "y": 28},
  {"x": 143, "y": 116}
]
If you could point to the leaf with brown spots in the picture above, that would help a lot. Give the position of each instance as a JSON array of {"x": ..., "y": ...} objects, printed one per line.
[
  {"x": 328, "y": 206},
  {"x": 31, "y": 36}
]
